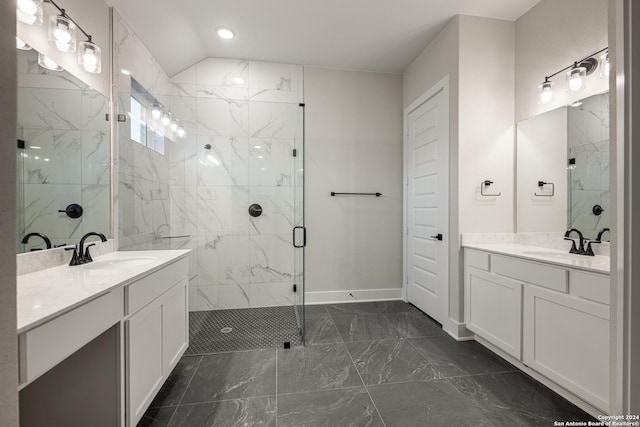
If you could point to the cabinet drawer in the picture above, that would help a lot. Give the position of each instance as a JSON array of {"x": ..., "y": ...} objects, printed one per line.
[
  {"x": 477, "y": 259},
  {"x": 594, "y": 287},
  {"x": 47, "y": 345},
  {"x": 145, "y": 290},
  {"x": 530, "y": 272}
]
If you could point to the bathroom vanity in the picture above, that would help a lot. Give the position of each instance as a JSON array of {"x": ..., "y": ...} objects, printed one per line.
[
  {"x": 545, "y": 310},
  {"x": 115, "y": 328}
]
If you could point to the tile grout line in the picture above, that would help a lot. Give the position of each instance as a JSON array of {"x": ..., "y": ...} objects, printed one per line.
[
  {"x": 364, "y": 385},
  {"x": 276, "y": 350},
  {"x": 190, "y": 380}
]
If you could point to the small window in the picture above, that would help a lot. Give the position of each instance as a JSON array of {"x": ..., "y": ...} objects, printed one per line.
[{"x": 143, "y": 125}]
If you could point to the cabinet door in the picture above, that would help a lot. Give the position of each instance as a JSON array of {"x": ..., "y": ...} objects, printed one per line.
[
  {"x": 493, "y": 309},
  {"x": 175, "y": 324},
  {"x": 567, "y": 340},
  {"x": 144, "y": 359}
]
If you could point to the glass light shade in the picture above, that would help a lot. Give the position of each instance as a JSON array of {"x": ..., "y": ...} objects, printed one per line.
[
  {"x": 546, "y": 92},
  {"x": 62, "y": 33},
  {"x": 20, "y": 44},
  {"x": 166, "y": 119},
  {"x": 90, "y": 57},
  {"x": 576, "y": 78},
  {"x": 156, "y": 113},
  {"x": 48, "y": 63},
  {"x": 29, "y": 11},
  {"x": 173, "y": 126}
]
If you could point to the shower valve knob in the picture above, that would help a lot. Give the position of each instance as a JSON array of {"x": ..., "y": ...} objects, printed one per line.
[{"x": 255, "y": 210}]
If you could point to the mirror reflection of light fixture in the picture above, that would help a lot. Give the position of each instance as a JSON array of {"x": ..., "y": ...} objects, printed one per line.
[
  {"x": 20, "y": 44},
  {"x": 173, "y": 126},
  {"x": 90, "y": 56},
  {"x": 180, "y": 132},
  {"x": 606, "y": 67},
  {"x": 546, "y": 92},
  {"x": 48, "y": 63},
  {"x": 166, "y": 119},
  {"x": 29, "y": 11},
  {"x": 576, "y": 78},
  {"x": 156, "y": 112},
  {"x": 62, "y": 33}
]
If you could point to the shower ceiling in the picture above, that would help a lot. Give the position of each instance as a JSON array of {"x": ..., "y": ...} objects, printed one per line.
[{"x": 372, "y": 35}]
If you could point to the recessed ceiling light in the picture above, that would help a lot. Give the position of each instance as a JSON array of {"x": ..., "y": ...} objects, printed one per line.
[{"x": 225, "y": 33}]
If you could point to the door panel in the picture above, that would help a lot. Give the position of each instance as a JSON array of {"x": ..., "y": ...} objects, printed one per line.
[{"x": 427, "y": 205}]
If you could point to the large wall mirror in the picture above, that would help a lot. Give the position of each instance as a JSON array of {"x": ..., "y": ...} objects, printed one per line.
[
  {"x": 563, "y": 169},
  {"x": 63, "y": 157}
]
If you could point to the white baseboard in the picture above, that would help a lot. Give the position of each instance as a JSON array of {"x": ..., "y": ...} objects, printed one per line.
[
  {"x": 358, "y": 295},
  {"x": 458, "y": 331}
]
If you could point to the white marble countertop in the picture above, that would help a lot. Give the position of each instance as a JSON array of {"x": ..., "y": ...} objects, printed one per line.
[
  {"x": 49, "y": 293},
  {"x": 596, "y": 264}
]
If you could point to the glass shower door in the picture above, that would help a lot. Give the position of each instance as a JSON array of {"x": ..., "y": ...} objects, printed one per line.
[{"x": 299, "y": 230}]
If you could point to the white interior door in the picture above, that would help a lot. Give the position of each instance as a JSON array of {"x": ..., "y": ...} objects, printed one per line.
[{"x": 427, "y": 204}]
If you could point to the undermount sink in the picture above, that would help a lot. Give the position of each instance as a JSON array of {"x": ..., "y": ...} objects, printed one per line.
[
  {"x": 118, "y": 263},
  {"x": 551, "y": 254}
]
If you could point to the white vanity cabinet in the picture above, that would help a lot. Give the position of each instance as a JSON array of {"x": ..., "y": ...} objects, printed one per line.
[
  {"x": 156, "y": 334},
  {"x": 552, "y": 318}
]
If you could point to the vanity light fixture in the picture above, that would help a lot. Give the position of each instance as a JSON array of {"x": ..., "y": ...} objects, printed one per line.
[
  {"x": 606, "y": 69},
  {"x": 173, "y": 126},
  {"x": 62, "y": 33},
  {"x": 48, "y": 63},
  {"x": 20, "y": 44},
  {"x": 29, "y": 11},
  {"x": 576, "y": 75},
  {"x": 225, "y": 33},
  {"x": 166, "y": 119},
  {"x": 180, "y": 132}
]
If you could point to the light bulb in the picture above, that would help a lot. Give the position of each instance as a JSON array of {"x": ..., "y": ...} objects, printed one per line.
[
  {"x": 546, "y": 93},
  {"x": 29, "y": 11},
  {"x": 166, "y": 119},
  {"x": 20, "y": 44},
  {"x": 181, "y": 132},
  {"x": 89, "y": 56},
  {"x": 576, "y": 78},
  {"x": 62, "y": 33},
  {"x": 155, "y": 112},
  {"x": 173, "y": 126}
]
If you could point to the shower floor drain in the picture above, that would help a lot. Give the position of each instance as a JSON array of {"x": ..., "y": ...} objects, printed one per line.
[{"x": 226, "y": 330}]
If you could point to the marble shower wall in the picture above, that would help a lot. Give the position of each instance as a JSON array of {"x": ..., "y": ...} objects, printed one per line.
[
  {"x": 588, "y": 139},
  {"x": 66, "y": 158},
  {"x": 247, "y": 112}
]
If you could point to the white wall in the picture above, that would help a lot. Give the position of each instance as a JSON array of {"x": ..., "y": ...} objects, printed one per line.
[
  {"x": 93, "y": 16},
  {"x": 8, "y": 341},
  {"x": 353, "y": 128},
  {"x": 550, "y": 37}
]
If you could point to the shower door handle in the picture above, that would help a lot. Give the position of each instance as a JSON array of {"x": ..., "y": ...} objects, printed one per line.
[{"x": 304, "y": 236}]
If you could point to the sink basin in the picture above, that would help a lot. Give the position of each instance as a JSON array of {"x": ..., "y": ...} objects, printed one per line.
[
  {"x": 550, "y": 254},
  {"x": 118, "y": 263}
]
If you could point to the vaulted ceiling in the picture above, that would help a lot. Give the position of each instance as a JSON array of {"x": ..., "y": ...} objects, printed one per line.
[{"x": 372, "y": 35}]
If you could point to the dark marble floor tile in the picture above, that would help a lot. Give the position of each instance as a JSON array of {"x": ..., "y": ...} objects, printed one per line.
[
  {"x": 173, "y": 389},
  {"x": 453, "y": 358},
  {"x": 425, "y": 403},
  {"x": 232, "y": 376},
  {"x": 257, "y": 411},
  {"x": 315, "y": 311},
  {"x": 321, "y": 330},
  {"x": 415, "y": 325},
  {"x": 315, "y": 367},
  {"x": 331, "y": 408},
  {"x": 156, "y": 417},
  {"x": 514, "y": 398},
  {"x": 395, "y": 307},
  {"x": 390, "y": 361},
  {"x": 352, "y": 308},
  {"x": 358, "y": 327}
]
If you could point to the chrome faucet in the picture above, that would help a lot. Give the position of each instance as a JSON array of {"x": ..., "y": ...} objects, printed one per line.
[
  {"x": 80, "y": 254},
  {"x": 47, "y": 242},
  {"x": 574, "y": 250}
]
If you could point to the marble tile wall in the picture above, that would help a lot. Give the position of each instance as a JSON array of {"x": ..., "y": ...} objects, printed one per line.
[
  {"x": 193, "y": 197},
  {"x": 247, "y": 112},
  {"x": 66, "y": 158},
  {"x": 588, "y": 138}
]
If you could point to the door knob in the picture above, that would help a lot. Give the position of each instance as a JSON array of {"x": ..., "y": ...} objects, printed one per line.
[{"x": 437, "y": 236}]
